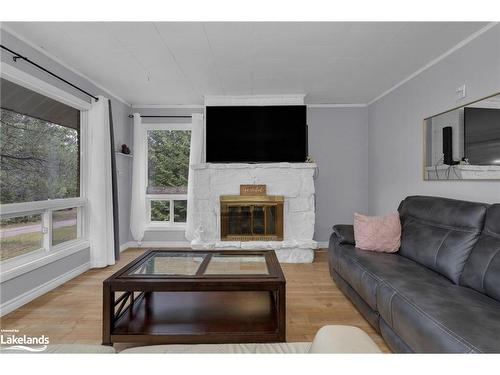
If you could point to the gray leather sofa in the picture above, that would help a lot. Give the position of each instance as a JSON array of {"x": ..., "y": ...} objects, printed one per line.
[{"x": 441, "y": 291}]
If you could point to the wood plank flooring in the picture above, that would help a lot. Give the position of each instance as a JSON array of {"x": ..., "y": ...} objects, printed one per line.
[{"x": 72, "y": 312}]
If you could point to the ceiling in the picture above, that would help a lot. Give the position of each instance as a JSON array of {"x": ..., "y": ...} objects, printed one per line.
[{"x": 180, "y": 62}]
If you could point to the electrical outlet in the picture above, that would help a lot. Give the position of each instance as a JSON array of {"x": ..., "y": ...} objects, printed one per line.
[{"x": 461, "y": 92}]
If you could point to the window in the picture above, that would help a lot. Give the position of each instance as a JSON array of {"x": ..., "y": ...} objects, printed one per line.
[
  {"x": 40, "y": 192},
  {"x": 168, "y": 148},
  {"x": 64, "y": 225},
  {"x": 39, "y": 159},
  {"x": 20, "y": 235}
]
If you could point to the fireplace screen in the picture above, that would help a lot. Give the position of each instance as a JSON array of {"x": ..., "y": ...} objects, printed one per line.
[{"x": 251, "y": 218}]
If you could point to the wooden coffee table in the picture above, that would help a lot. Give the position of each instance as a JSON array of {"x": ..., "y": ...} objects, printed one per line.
[{"x": 180, "y": 296}]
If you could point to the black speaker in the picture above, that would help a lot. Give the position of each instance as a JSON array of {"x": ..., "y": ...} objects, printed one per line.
[{"x": 448, "y": 145}]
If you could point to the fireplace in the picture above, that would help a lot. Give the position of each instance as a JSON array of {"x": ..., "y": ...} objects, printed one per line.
[
  {"x": 252, "y": 215},
  {"x": 289, "y": 205}
]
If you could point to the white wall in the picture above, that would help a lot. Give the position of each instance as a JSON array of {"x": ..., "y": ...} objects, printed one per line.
[
  {"x": 395, "y": 141},
  {"x": 338, "y": 143}
]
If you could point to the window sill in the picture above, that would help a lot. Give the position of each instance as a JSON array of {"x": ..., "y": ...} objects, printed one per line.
[
  {"x": 18, "y": 266},
  {"x": 179, "y": 227}
]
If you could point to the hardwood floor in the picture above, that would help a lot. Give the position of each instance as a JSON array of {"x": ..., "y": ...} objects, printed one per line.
[{"x": 72, "y": 312}]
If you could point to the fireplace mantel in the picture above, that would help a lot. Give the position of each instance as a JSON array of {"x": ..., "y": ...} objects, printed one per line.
[{"x": 293, "y": 181}]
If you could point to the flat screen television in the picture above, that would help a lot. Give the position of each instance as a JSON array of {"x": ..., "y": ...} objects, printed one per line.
[
  {"x": 482, "y": 135},
  {"x": 256, "y": 134}
]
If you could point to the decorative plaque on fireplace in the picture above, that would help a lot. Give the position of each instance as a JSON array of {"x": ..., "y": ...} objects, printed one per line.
[{"x": 253, "y": 190}]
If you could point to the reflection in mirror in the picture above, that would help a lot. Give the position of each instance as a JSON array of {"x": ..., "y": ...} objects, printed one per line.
[{"x": 464, "y": 143}]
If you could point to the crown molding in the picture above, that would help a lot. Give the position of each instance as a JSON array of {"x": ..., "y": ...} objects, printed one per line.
[
  {"x": 333, "y": 105},
  {"x": 168, "y": 106},
  {"x": 294, "y": 99},
  {"x": 62, "y": 63},
  {"x": 297, "y": 99},
  {"x": 201, "y": 106},
  {"x": 458, "y": 46}
]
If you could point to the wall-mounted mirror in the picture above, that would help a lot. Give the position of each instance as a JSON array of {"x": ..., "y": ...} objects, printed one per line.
[{"x": 464, "y": 143}]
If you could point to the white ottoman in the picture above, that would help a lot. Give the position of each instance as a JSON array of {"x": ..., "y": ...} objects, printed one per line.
[{"x": 329, "y": 339}]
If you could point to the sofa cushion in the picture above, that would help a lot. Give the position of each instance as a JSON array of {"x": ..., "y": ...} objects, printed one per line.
[
  {"x": 482, "y": 269},
  {"x": 440, "y": 233},
  {"x": 362, "y": 281},
  {"x": 440, "y": 318},
  {"x": 392, "y": 340},
  {"x": 368, "y": 313},
  {"x": 364, "y": 271},
  {"x": 423, "y": 307}
]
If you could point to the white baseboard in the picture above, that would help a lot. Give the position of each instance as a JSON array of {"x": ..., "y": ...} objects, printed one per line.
[
  {"x": 166, "y": 244},
  {"x": 322, "y": 244},
  {"x": 36, "y": 292}
]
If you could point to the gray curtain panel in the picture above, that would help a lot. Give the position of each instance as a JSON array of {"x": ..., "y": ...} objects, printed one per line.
[{"x": 114, "y": 177}]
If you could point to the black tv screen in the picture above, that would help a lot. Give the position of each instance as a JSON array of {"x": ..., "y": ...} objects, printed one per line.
[
  {"x": 250, "y": 134},
  {"x": 482, "y": 135}
]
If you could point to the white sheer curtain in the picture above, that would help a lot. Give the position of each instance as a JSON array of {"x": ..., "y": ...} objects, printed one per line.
[
  {"x": 138, "y": 204},
  {"x": 196, "y": 156},
  {"x": 99, "y": 192}
]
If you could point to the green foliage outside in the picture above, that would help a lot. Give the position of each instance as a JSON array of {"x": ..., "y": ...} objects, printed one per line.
[
  {"x": 39, "y": 160},
  {"x": 168, "y": 168},
  {"x": 160, "y": 210}
]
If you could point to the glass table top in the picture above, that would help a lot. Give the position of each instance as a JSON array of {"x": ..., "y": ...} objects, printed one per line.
[
  {"x": 237, "y": 265},
  {"x": 166, "y": 263},
  {"x": 170, "y": 264}
]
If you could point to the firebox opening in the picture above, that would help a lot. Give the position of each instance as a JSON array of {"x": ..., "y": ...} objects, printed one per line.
[{"x": 251, "y": 218}]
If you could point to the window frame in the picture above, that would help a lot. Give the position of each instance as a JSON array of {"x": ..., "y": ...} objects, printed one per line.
[
  {"x": 171, "y": 224},
  {"x": 16, "y": 266}
]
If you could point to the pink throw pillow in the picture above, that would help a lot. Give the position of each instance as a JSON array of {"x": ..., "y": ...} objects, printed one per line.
[{"x": 378, "y": 233}]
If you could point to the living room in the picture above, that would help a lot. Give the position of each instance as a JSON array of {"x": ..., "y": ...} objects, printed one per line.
[{"x": 300, "y": 185}]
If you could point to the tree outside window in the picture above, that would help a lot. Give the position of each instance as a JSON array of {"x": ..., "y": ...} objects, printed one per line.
[{"x": 168, "y": 170}]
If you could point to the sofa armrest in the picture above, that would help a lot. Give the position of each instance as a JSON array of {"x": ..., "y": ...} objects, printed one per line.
[{"x": 345, "y": 234}]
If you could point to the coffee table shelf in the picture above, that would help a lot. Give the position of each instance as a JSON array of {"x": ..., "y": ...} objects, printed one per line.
[
  {"x": 211, "y": 316},
  {"x": 240, "y": 297}
]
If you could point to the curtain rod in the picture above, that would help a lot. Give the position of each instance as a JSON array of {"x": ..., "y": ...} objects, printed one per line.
[
  {"x": 18, "y": 56},
  {"x": 186, "y": 116}
]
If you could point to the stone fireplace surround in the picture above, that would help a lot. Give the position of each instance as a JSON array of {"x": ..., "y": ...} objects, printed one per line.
[{"x": 295, "y": 181}]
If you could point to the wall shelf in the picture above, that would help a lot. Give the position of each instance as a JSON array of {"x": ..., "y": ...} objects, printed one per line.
[{"x": 126, "y": 155}]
